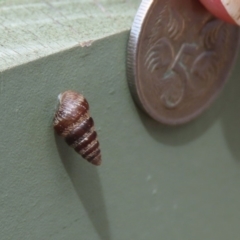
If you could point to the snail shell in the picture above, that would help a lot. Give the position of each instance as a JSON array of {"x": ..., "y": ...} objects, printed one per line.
[{"x": 73, "y": 122}]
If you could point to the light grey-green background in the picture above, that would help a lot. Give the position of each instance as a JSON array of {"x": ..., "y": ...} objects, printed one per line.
[{"x": 155, "y": 182}]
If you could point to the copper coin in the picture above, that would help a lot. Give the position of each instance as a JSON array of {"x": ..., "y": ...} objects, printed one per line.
[{"x": 179, "y": 57}]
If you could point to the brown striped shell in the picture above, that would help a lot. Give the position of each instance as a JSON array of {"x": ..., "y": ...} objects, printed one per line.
[{"x": 73, "y": 122}]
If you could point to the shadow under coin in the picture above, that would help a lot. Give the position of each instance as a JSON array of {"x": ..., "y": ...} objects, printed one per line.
[
  {"x": 181, "y": 135},
  {"x": 231, "y": 114},
  {"x": 86, "y": 182}
]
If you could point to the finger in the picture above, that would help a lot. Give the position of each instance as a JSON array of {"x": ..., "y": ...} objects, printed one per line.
[{"x": 227, "y": 10}]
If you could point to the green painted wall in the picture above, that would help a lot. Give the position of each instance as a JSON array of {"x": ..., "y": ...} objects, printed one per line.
[{"x": 155, "y": 182}]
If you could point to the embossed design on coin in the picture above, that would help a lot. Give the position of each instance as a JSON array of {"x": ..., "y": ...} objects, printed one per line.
[{"x": 179, "y": 58}]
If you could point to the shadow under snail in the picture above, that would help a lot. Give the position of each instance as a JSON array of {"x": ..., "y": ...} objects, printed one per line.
[{"x": 73, "y": 122}]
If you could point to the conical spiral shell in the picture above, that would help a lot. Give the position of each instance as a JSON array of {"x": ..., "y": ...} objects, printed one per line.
[{"x": 73, "y": 122}]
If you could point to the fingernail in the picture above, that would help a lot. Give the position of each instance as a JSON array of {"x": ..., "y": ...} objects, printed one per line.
[{"x": 233, "y": 9}]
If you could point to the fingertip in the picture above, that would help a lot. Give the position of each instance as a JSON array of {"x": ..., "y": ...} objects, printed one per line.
[{"x": 219, "y": 9}]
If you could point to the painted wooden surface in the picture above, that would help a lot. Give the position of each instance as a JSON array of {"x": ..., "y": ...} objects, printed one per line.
[
  {"x": 37, "y": 28},
  {"x": 155, "y": 182}
]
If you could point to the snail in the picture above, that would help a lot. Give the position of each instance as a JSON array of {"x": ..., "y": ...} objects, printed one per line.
[{"x": 73, "y": 122}]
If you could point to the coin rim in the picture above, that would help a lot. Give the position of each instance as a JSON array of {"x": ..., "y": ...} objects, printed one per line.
[
  {"x": 132, "y": 52},
  {"x": 133, "y": 41}
]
